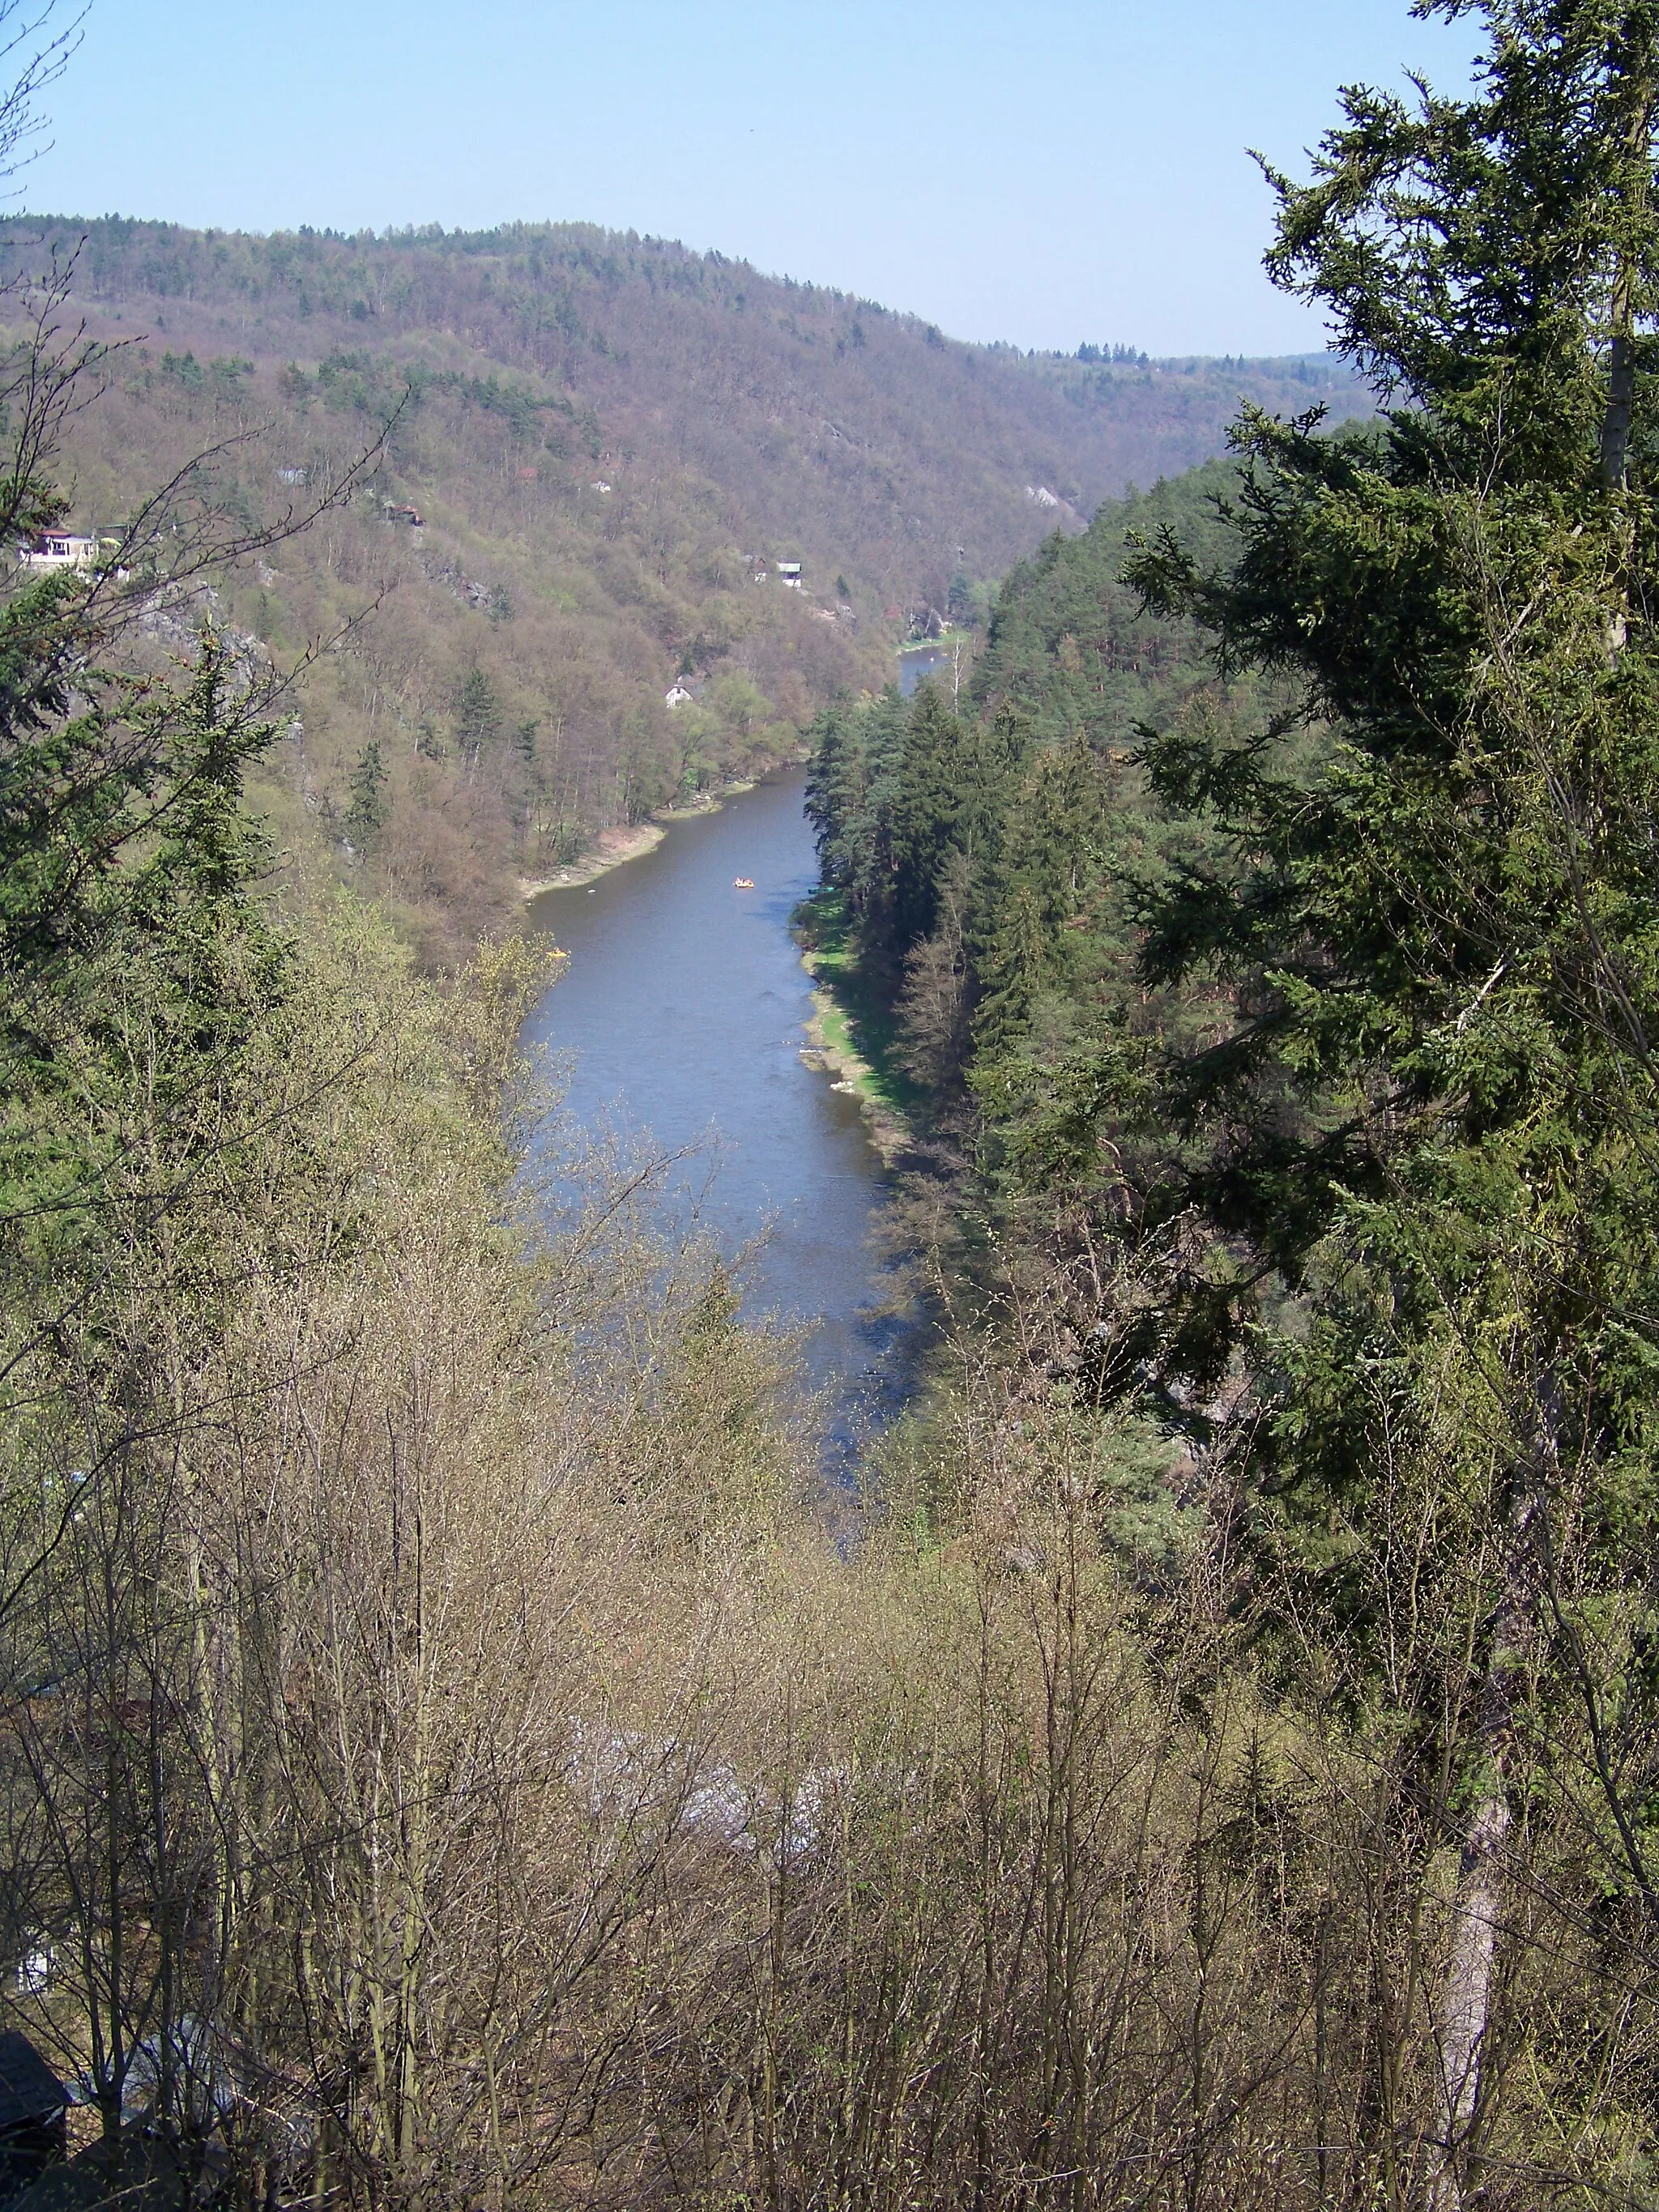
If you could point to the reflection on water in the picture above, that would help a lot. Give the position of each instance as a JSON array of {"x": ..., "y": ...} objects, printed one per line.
[{"x": 684, "y": 1002}]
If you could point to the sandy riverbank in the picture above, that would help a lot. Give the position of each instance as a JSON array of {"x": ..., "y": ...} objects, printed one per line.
[
  {"x": 612, "y": 847},
  {"x": 609, "y": 850}
]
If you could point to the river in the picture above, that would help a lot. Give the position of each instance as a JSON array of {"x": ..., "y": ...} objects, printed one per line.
[
  {"x": 940, "y": 658},
  {"x": 684, "y": 1005}
]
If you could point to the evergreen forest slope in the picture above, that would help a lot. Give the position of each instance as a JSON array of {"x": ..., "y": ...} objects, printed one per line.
[
  {"x": 989, "y": 863},
  {"x": 608, "y": 440},
  {"x": 1072, "y": 646}
]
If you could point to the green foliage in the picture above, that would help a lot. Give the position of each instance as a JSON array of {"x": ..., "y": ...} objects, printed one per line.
[
  {"x": 478, "y": 714},
  {"x": 1315, "y": 914},
  {"x": 367, "y": 810},
  {"x": 1312, "y": 947},
  {"x": 1071, "y": 646},
  {"x": 849, "y": 441},
  {"x": 131, "y": 949},
  {"x": 1423, "y": 948},
  {"x": 1032, "y": 811}
]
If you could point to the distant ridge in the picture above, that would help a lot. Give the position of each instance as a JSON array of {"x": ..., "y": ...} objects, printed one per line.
[
  {"x": 820, "y": 412},
  {"x": 607, "y": 441}
]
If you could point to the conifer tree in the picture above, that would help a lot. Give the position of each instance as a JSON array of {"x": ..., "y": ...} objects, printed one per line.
[
  {"x": 926, "y": 814},
  {"x": 851, "y": 792},
  {"x": 1034, "y": 894},
  {"x": 367, "y": 810},
  {"x": 1433, "y": 1115},
  {"x": 478, "y": 714},
  {"x": 837, "y": 794}
]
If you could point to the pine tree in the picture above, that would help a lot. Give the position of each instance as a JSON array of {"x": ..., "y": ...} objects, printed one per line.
[
  {"x": 369, "y": 809},
  {"x": 851, "y": 788},
  {"x": 1037, "y": 886},
  {"x": 478, "y": 716},
  {"x": 837, "y": 792},
  {"x": 1433, "y": 1115},
  {"x": 940, "y": 804}
]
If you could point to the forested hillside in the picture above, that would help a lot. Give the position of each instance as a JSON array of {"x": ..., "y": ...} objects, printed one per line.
[
  {"x": 1269, "y": 948},
  {"x": 1071, "y": 646},
  {"x": 455, "y": 1756},
  {"x": 607, "y": 441},
  {"x": 991, "y": 865}
]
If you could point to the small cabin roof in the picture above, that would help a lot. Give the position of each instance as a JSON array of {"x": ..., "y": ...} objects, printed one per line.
[{"x": 29, "y": 2090}]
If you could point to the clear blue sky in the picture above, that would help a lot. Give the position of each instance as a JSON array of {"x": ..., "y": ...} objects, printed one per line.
[{"x": 1046, "y": 172}]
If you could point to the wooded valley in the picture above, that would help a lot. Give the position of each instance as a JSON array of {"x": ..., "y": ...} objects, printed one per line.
[
  {"x": 606, "y": 442},
  {"x": 457, "y": 1753}
]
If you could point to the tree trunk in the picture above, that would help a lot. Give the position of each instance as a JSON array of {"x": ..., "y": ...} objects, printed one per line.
[
  {"x": 1616, "y": 423},
  {"x": 1465, "y": 2001},
  {"x": 1465, "y": 2007}
]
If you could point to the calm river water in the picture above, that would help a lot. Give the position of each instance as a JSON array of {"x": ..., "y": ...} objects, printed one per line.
[{"x": 685, "y": 1003}]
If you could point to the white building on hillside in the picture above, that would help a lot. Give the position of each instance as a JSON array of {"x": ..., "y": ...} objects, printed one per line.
[
  {"x": 790, "y": 572},
  {"x": 58, "y": 549}
]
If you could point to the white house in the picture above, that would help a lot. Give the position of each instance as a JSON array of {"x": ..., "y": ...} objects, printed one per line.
[
  {"x": 678, "y": 697},
  {"x": 790, "y": 572},
  {"x": 58, "y": 549}
]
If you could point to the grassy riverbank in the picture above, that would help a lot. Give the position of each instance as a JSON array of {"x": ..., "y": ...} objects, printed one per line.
[{"x": 852, "y": 1033}]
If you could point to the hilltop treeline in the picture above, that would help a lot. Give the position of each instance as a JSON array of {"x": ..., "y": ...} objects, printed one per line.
[{"x": 606, "y": 439}]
